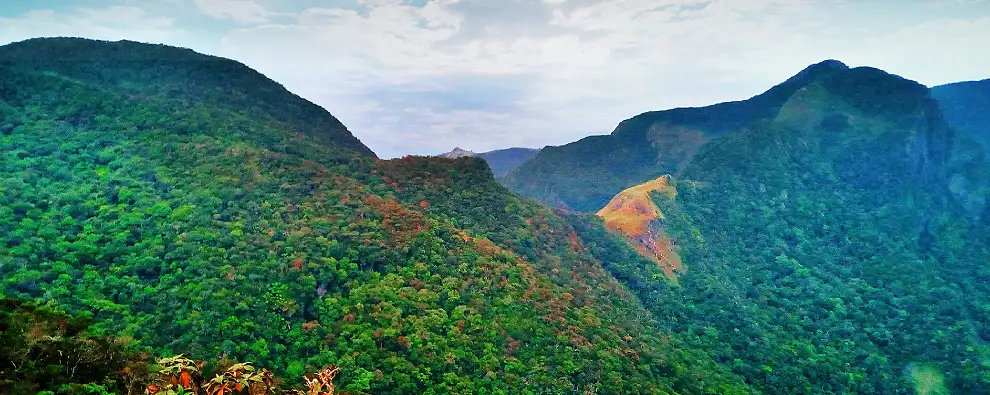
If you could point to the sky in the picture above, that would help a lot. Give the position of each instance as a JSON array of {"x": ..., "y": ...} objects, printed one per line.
[{"x": 423, "y": 76}]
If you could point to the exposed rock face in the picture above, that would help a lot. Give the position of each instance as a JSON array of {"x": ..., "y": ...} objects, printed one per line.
[
  {"x": 457, "y": 152},
  {"x": 633, "y": 214}
]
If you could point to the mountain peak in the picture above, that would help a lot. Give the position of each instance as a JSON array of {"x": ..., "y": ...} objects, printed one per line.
[
  {"x": 179, "y": 74},
  {"x": 815, "y": 71},
  {"x": 830, "y": 63},
  {"x": 457, "y": 152}
]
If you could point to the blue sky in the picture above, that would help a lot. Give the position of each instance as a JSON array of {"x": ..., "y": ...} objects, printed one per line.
[{"x": 423, "y": 76}]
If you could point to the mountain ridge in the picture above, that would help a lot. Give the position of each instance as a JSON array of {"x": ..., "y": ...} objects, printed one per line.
[
  {"x": 155, "y": 65},
  {"x": 645, "y": 146},
  {"x": 846, "y": 233}
]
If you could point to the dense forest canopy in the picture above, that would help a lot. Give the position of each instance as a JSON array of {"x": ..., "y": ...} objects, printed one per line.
[{"x": 179, "y": 75}]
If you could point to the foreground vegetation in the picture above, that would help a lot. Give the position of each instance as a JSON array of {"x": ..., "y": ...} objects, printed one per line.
[{"x": 52, "y": 353}]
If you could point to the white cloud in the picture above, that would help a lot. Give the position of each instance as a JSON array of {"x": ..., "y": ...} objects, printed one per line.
[
  {"x": 935, "y": 52},
  {"x": 243, "y": 11},
  {"x": 597, "y": 63},
  {"x": 112, "y": 23},
  {"x": 482, "y": 75}
]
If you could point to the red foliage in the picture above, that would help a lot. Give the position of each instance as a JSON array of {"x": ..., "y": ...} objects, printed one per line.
[
  {"x": 185, "y": 379},
  {"x": 401, "y": 222},
  {"x": 308, "y": 326},
  {"x": 511, "y": 346},
  {"x": 575, "y": 244},
  {"x": 424, "y": 204}
]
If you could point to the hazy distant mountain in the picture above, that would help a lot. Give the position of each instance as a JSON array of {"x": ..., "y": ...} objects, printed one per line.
[
  {"x": 500, "y": 161},
  {"x": 966, "y": 106}
]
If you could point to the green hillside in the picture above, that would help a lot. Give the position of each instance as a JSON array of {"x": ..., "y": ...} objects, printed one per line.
[
  {"x": 833, "y": 234},
  {"x": 196, "y": 212},
  {"x": 181, "y": 77},
  {"x": 825, "y": 249}
]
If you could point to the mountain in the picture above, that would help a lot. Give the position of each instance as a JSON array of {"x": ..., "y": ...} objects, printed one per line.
[
  {"x": 584, "y": 175},
  {"x": 504, "y": 161},
  {"x": 192, "y": 205},
  {"x": 965, "y": 107},
  {"x": 828, "y": 236},
  {"x": 836, "y": 245},
  {"x": 183, "y": 77},
  {"x": 500, "y": 161},
  {"x": 457, "y": 152}
]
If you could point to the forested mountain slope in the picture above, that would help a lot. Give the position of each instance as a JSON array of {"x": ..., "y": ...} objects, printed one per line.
[
  {"x": 218, "y": 222},
  {"x": 585, "y": 174},
  {"x": 180, "y": 76},
  {"x": 827, "y": 248}
]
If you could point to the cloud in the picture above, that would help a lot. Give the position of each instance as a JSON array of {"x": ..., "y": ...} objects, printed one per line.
[
  {"x": 564, "y": 69},
  {"x": 937, "y": 52},
  {"x": 483, "y": 75},
  {"x": 242, "y": 11},
  {"x": 112, "y": 23}
]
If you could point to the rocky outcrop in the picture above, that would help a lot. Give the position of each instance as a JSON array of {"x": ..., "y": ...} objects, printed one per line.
[{"x": 634, "y": 215}]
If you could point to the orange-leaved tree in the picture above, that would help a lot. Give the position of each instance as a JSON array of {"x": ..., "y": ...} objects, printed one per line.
[
  {"x": 178, "y": 372},
  {"x": 321, "y": 383}
]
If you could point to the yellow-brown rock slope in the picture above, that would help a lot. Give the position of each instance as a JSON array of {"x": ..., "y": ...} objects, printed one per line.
[{"x": 633, "y": 214}]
